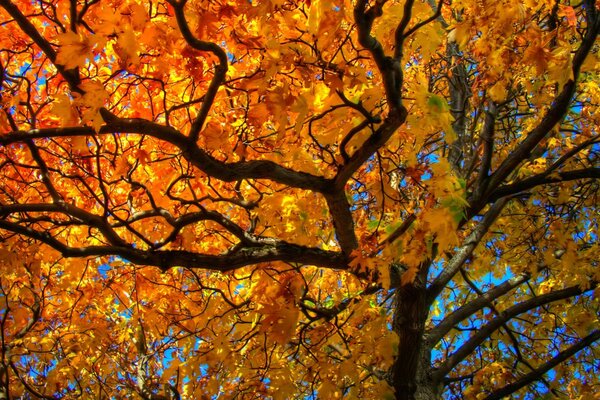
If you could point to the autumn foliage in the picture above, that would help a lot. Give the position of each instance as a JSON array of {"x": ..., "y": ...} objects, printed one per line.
[{"x": 299, "y": 199}]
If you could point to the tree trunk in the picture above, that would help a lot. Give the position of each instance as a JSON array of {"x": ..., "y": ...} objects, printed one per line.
[
  {"x": 410, "y": 374},
  {"x": 4, "y": 394}
]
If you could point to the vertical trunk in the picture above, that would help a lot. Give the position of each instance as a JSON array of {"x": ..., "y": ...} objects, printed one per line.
[
  {"x": 410, "y": 374},
  {"x": 4, "y": 382},
  {"x": 409, "y": 325}
]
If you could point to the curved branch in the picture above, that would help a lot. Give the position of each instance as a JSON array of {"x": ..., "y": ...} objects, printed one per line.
[
  {"x": 228, "y": 172},
  {"x": 485, "y": 331},
  {"x": 554, "y": 114},
  {"x": 328, "y": 313},
  {"x": 562, "y": 159},
  {"x": 538, "y": 373},
  {"x": 369, "y": 147},
  {"x": 89, "y": 219},
  {"x": 45, "y": 174},
  {"x": 28, "y": 387},
  {"x": 398, "y": 232},
  {"x": 545, "y": 179},
  {"x": 400, "y": 36},
  {"x": 465, "y": 251},
  {"x": 205, "y": 215},
  {"x": 71, "y": 76},
  {"x": 436, "y": 14},
  {"x": 220, "y": 69},
  {"x": 437, "y": 333},
  {"x": 264, "y": 250},
  {"x": 346, "y": 139},
  {"x": 389, "y": 67}
]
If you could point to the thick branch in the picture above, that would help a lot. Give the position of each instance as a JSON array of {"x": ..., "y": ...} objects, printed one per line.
[
  {"x": 71, "y": 76},
  {"x": 266, "y": 251},
  {"x": 390, "y": 68},
  {"x": 220, "y": 69},
  {"x": 538, "y": 373},
  {"x": 229, "y": 172},
  {"x": 545, "y": 179},
  {"x": 339, "y": 208},
  {"x": 437, "y": 333},
  {"x": 369, "y": 147},
  {"x": 263, "y": 169},
  {"x": 465, "y": 251},
  {"x": 554, "y": 114}
]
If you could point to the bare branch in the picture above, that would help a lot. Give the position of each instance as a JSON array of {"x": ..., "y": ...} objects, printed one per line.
[
  {"x": 485, "y": 331},
  {"x": 539, "y": 372},
  {"x": 545, "y": 179},
  {"x": 229, "y": 172},
  {"x": 441, "y": 329},
  {"x": 554, "y": 114},
  {"x": 465, "y": 251},
  {"x": 264, "y": 250},
  {"x": 71, "y": 76},
  {"x": 436, "y": 14},
  {"x": 220, "y": 69}
]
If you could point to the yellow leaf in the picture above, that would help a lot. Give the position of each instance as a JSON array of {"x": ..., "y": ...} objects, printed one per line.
[
  {"x": 143, "y": 156},
  {"x": 409, "y": 275},
  {"x": 94, "y": 95},
  {"x": 328, "y": 390},
  {"x": 75, "y": 49},
  {"x": 65, "y": 111},
  {"x": 498, "y": 91},
  {"x": 127, "y": 48},
  {"x": 138, "y": 15},
  {"x": 214, "y": 136},
  {"x": 460, "y": 34},
  {"x": 569, "y": 13},
  {"x": 285, "y": 327},
  {"x": 538, "y": 55},
  {"x": 321, "y": 93},
  {"x": 79, "y": 144}
]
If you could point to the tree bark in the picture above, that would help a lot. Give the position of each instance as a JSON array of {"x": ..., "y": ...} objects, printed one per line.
[
  {"x": 3, "y": 382},
  {"x": 409, "y": 374}
]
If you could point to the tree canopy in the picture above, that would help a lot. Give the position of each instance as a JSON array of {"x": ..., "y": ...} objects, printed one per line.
[{"x": 299, "y": 199}]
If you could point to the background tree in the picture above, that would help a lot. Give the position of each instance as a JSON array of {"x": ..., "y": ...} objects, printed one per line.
[{"x": 299, "y": 199}]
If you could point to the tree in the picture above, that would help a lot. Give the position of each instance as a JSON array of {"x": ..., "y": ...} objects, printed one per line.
[{"x": 299, "y": 199}]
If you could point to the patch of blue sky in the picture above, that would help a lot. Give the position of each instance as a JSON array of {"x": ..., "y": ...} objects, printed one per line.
[{"x": 231, "y": 58}]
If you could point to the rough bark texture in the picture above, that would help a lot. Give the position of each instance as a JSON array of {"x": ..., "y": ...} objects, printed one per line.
[{"x": 410, "y": 370}]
